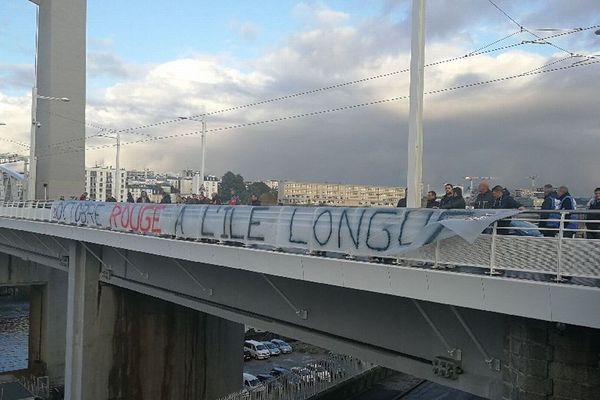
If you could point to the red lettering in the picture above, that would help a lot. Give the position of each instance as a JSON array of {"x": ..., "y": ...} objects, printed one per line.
[
  {"x": 156, "y": 218},
  {"x": 116, "y": 211}
]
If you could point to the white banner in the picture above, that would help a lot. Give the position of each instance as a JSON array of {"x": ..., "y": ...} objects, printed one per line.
[{"x": 355, "y": 231}]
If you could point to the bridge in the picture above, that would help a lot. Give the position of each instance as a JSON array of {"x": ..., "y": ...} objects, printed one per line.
[
  {"x": 497, "y": 316},
  {"x": 148, "y": 302}
]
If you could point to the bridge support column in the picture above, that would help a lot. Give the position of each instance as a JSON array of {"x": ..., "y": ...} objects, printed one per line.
[
  {"x": 126, "y": 345},
  {"x": 545, "y": 361}
]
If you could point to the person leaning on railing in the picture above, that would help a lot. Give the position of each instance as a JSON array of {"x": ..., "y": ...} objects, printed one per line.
[
  {"x": 594, "y": 227},
  {"x": 504, "y": 201}
]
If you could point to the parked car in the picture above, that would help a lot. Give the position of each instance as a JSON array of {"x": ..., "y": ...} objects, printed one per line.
[
  {"x": 247, "y": 354},
  {"x": 279, "y": 371},
  {"x": 252, "y": 383},
  {"x": 304, "y": 374},
  {"x": 274, "y": 350},
  {"x": 257, "y": 349},
  {"x": 321, "y": 373},
  {"x": 283, "y": 346}
]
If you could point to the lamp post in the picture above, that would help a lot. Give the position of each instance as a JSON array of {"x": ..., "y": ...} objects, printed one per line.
[
  {"x": 415, "y": 122},
  {"x": 203, "y": 148},
  {"x": 34, "y": 125}
]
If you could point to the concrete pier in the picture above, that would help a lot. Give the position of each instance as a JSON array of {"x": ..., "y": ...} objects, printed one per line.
[{"x": 544, "y": 361}]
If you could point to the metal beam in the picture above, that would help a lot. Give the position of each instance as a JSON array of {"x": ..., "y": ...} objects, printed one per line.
[{"x": 53, "y": 262}]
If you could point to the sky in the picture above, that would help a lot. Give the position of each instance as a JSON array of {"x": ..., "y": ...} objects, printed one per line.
[{"x": 149, "y": 61}]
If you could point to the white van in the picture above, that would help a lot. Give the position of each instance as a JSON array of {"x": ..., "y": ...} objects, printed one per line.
[{"x": 257, "y": 349}]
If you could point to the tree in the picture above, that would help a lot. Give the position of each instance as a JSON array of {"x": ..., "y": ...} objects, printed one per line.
[
  {"x": 231, "y": 181},
  {"x": 268, "y": 198},
  {"x": 258, "y": 188}
]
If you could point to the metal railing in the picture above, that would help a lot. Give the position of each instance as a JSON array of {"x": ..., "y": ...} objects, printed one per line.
[
  {"x": 559, "y": 244},
  {"x": 310, "y": 380}
]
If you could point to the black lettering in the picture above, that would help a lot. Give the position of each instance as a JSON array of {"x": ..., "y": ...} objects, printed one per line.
[
  {"x": 330, "y": 227},
  {"x": 180, "y": 218},
  {"x": 252, "y": 222},
  {"x": 231, "y": 226},
  {"x": 291, "y": 239},
  {"x": 354, "y": 240},
  {"x": 406, "y": 216},
  {"x": 202, "y": 231},
  {"x": 389, "y": 236},
  {"x": 224, "y": 234}
]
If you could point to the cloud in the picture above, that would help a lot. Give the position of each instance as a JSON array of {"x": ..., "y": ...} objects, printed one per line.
[
  {"x": 319, "y": 15},
  {"x": 247, "y": 30},
  {"x": 107, "y": 64}
]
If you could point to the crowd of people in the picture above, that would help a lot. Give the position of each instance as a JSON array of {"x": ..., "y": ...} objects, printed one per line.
[
  {"x": 193, "y": 199},
  {"x": 499, "y": 197}
]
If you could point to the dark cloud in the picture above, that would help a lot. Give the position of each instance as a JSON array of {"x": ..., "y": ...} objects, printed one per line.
[{"x": 16, "y": 76}]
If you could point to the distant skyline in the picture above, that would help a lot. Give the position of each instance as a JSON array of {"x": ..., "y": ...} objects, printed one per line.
[{"x": 155, "y": 60}]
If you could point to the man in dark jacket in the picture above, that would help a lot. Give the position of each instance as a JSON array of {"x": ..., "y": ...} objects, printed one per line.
[
  {"x": 484, "y": 198},
  {"x": 448, "y": 198},
  {"x": 402, "y": 201},
  {"x": 166, "y": 198},
  {"x": 550, "y": 200},
  {"x": 594, "y": 227},
  {"x": 503, "y": 200},
  {"x": 432, "y": 200},
  {"x": 254, "y": 201}
]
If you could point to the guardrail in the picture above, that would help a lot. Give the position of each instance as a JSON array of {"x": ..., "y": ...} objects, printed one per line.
[
  {"x": 310, "y": 380},
  {"x": 518, "y": 244}
]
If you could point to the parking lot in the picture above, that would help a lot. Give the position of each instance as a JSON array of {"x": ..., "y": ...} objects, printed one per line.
[{"x": 303, "y": 354}]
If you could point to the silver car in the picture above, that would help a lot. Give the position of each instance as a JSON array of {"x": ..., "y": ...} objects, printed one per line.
[
  {"x": 274, "y": 350},
  {"x": 283, "y": 346}
]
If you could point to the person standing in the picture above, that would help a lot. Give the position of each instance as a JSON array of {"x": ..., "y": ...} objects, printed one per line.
[
  {"x": 458, "y": 202},
  {"x": 143, "y": 198},
  {"x": 567, "y": 202},
  {"x": 402, "y": 201},
  {"x": 111, "y": 199},
  {"x": 234, "y": 200},
  {"x": 84, "y": 196},
  {"x": 215, "y": 199},
  {"x": 166, "y": 198},
  {"x": 551, "y": 202},
  {"x": 594, "y": 227},
  {"x": 432, "y": 201},
  {"x": 446, "y": 200},
  {"x": 130, "y": 198},
  {"x": 502, "y": 201},
  {"x": 484, "y": 198},
  {"x": 254, "y": 201}
]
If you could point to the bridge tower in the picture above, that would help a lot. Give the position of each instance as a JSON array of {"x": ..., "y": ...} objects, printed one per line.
[{"x": 58, "y": 137}]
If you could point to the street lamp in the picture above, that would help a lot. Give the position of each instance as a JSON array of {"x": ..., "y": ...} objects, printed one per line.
[
  {"x": 34, "y": 125},
  {"x": 203, "y": 148}
]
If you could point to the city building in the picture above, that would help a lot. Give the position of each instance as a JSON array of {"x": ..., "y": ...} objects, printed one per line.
[
  {"x": 272, "y": 184},
  {"x": 337, "y": 194},
  {"x": 189, "y": 183},
  {"x": 99, "y": 183}
]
